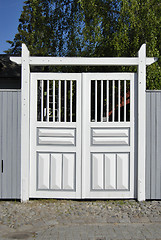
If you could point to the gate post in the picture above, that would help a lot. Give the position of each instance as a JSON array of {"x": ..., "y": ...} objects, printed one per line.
[
  {"x": 141, "y": 122},
  {"x": 25, "y": 124}
]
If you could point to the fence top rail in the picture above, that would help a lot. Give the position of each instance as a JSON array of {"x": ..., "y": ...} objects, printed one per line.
[
  {"x": 151, "y": 91},
  {"x": 10, "y": 90},
  {"x": 84, "y": 61}
]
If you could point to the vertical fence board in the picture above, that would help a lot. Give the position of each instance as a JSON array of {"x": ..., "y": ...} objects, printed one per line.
[
  {"x": 153, "y": 134},
  {"x": 8, "y": 147},
  {"x": 14, "y": 144},
  {"x": 148, "y": 155},
  {"x": 158, "y": 145},
  {"x": 4, "y": 143},
  {"x": 10, "y": 150},
  {"x": 18, "y": 147},
  {"x": 0, "y": 143}
]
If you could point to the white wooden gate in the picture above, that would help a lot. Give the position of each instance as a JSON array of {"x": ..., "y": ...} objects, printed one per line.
[
  {"x": 82, "y": 151},
  {"x": 108, "y": 135},
  {"x": 56, "y": 160},
  {"x": 55, "y": 135}
]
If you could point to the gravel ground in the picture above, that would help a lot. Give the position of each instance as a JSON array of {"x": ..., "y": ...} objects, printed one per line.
[{"x": 40, "y": 215}]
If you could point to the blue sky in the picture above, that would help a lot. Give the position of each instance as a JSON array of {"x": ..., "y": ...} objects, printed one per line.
[{"x": 10, "y": 11}]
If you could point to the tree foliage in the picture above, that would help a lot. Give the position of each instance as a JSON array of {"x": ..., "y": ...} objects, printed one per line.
[{"x": 92, "y": 28}]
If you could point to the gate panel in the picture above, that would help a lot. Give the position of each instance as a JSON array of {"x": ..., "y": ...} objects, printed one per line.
[
  {"x": 108, "y": 135},
  {"x": 55, "y": 135}
]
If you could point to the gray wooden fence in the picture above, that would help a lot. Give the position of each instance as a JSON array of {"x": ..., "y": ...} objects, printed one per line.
[
  {"x": 10, "y": 152},
  {"x": 153, "y": 145}
]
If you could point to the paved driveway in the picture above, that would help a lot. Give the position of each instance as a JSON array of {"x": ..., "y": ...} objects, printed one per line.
[{"x": 93, "y": 220}]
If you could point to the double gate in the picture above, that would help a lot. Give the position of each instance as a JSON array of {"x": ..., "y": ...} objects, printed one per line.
[{"x": 82, "y": 135}]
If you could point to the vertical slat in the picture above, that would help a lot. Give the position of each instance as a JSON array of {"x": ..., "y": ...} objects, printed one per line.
[
  {"x": 113, "y": 100},
  {"x": 14, "y": 163},
  {"x": 131, "y": 101},
  {"x": 152, "y": 139},
  {"x": 124, "y": 100},
  {"x": 42, "y": 100},
  {"x": 158, "y": 144},
  {"x": 59, "y": 100},
  {"x": 4, "y": 144},
  {"x": 1, "y": 142},
  {"x": 101, "y": 118},
  {"x": 95, "y": 100},
  {"x": 65, "y": 100},
  {"x": 107, "y": 100},
  {"x": 53, "y": 100},
  {"x": 19, "y": 146},
  {"x": 148, "y": 146},
  {"x": 47, "y": 100},
  {"x": 119, "y": 100},
  {"x": 76, "y": 102},
  {"x": 71, "y": 100},
  {"x": 8, "y": 170}
]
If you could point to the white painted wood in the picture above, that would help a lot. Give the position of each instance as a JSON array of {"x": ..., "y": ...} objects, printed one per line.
[
  {"x": 97, "y": 171},
  {"x": 47, "y": 100},
  {"x": 25, "y": 127},
  {"x": 122, "y": 171},
  {"x": 56, "y": 140},
  {"x": 81, "y": 61},
  {"x": 101, "y": 129},
  {"x": 119, "y": 89},
  {"x": 43, "y": 171},
  {"x": 113, "y": 100},
  {"x": 113, "y": 141},
  {"x": 42, "y": 100},
  {"x": 56, "y": 171},
  {"x": 141, "y": 121},
  {"x": 67, "y": 181},
  {"x": 110, "y": 171},
  {"x": 101, "y": 101},
  {"x": 141, "y": 61},
  {"x": 65, "y": 100},
  {"x": 59, "y": 101},
  {"x": 68, "y": 171},
  {"x": 71, "y": 101},
  {"x": 54, "y": 132},
  {"x": 110, "y": 132},
  {"x": 53, "y": 101},
  {"x": 124, "y": 100},
  {"x": 107, "y": 100},
  {"x": 95, "y": 101}
]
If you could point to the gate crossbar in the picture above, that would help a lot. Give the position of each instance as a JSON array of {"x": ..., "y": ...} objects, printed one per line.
[{"x": 83, "y": 61}]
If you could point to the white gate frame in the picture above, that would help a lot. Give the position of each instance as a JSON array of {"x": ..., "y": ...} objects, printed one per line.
[{"x": 26, "y": 61}]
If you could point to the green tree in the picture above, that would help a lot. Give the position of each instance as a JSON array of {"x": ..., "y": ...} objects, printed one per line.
[
  {"x": 35, "y": 29},
  {"x": 139, "y": 22},
  {"x": 92, "y": 28},
  {"x": 48, "y": 27}
]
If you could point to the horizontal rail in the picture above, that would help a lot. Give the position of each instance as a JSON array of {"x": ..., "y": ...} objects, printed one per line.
[
  {"x": 84, "y": 61},
  {"x": 10, "y": 90}
]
